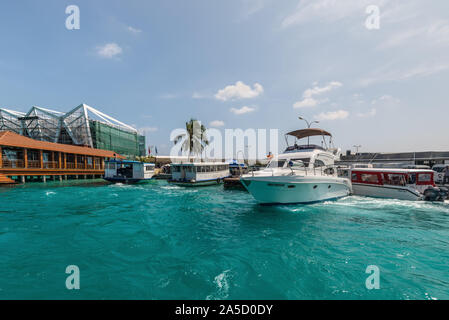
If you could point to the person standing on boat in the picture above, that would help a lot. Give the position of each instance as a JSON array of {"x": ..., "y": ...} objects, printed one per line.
[{"x": 446, "y": 176}]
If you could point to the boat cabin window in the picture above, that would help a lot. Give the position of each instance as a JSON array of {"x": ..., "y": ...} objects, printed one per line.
[
  {"x": 425, "y": 178},
  {"x": 111, "y": 166},
  {"x": 370, "y": 178},
  {"x": 149, "y": 168},
  {"x": 306, "y": 161},
  {"x": 276, "y": 164},
  {"x": 319, "y": 163},
  {"x": 412, "y": 178},
  {"x": 395, "y": 179},
  {"x": 295, "y": 164},
  {"x": 176, "y": 169},
  {"x": 354, "y": 177}
]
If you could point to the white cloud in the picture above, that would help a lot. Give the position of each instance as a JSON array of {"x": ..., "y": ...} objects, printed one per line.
[
  {"x": 242, "y": 110},
  {"x": 197, "y": 95},
  {"x": 386, "y": 100},
  {"x": 216, "y": 123},
  {"x": 307, "y": 102},
  {"x": 333, "y": 115},
  {"x": 327, "y": 10},
  {"x": 145, "y": 130},
  {"x": 308, "y": 95},
  {"x": 368, "y": 114},
  {"x": 388, "y": 74},
  {"x": 239, "y": 91},
  {"x": 134, "y": 30},
  {"x": 168, "y": 96},
  {"x": 109, "y": 50},
  {"x": 435, "y": 32}
]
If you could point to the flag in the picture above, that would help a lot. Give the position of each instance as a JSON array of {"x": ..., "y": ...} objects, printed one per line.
[
  {"x": 155, "y": 149},
  {"x": 149, "y": 150}
]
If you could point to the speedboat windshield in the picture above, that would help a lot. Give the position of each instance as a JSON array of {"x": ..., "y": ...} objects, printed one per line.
[
  {"x": 296, "y": 164},
  {"x": 276, "y": 163}
]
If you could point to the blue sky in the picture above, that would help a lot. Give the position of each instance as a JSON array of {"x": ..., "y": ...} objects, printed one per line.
[{"x": 238, "y": 64}]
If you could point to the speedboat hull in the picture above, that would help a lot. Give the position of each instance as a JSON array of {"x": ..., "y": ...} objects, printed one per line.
[
  {"x": 389, "y": 192},
  {"x": 296, "y": 189},
  {"x": 203, "y": 183},
  {"x": 126, "y": 180}
]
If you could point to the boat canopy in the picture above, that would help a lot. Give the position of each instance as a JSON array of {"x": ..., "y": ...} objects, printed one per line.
[{"x": 304, "y": 133}]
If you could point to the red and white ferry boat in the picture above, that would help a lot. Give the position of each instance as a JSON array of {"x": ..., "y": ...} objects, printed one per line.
[{"x": 402, "y": 184}]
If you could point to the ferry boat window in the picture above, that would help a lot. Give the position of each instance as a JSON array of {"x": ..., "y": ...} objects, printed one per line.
[
  {"x": 395, "y": 179},
  {"x": 111, "y": 166},
  {"x": 424, "y": 177},
  {"x": 354, "y": 177},
  {"x": 412, "y": 178},
  {"x": 370, "y": 178}
]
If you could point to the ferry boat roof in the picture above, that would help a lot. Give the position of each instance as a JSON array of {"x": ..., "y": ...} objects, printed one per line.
[
  {"x": 200, "y": 164},
  {"x": 392, "y": 170},
  {"x": 127, "y": 161}
]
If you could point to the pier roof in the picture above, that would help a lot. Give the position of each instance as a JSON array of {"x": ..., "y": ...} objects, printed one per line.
[{"x": 12, "y": 139}]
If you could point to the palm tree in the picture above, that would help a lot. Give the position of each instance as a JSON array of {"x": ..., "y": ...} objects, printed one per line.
[{"x": 195, "y": 138}]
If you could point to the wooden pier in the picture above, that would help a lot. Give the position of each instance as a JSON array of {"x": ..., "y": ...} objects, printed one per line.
[{"x": 22, "y": 157}]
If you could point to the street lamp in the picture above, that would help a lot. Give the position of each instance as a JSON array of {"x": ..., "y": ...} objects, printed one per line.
[
  {"x": 357, "y": 147},
  {"x": 309, "y": 124}
]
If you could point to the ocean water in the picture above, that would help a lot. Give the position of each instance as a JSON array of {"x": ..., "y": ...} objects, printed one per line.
[{"x": 158, "y": 241}]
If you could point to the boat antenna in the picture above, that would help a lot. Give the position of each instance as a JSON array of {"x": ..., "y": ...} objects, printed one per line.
[{"x": 309, "y": 124}]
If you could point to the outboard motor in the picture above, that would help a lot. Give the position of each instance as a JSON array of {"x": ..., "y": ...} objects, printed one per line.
[{"x": 436, "y": 194}]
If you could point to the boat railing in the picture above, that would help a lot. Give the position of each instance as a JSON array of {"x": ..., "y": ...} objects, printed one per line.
[{"x": 323, "y": 170}]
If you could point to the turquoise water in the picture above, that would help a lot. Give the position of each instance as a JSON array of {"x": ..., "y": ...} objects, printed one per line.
[{"x": 158, "y": 241}]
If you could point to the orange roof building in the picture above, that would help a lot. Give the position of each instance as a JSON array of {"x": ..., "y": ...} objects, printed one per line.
[{"x": 23, "y": 156}]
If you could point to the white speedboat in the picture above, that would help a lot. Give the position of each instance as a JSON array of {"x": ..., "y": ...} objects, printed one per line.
[
  {"x": 197, "y": 174},
  {"x": 129, "y": 172},
  {"x": 302, "y": 174}
]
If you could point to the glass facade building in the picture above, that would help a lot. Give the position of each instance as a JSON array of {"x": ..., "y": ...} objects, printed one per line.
[{"x": 82, "y": 126}]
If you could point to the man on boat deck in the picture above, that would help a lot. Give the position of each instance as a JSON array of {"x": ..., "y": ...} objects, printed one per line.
[{"x": 446, "y": 176}]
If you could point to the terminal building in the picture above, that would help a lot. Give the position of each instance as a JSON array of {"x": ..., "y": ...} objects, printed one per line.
[
  {"x": 429, "y": 158},
  {"x": 83, "y": 126}
]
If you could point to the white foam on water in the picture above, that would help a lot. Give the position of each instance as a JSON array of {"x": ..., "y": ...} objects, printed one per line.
[
  {"x": 170, "y": 187},
  {"x": 222, "y": 283}
]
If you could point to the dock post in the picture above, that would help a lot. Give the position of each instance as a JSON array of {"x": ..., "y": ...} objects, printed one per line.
[
  {"x": 44, "y": 178},
  {"x": 65, "y": 177},
  {"x": 60, "y": 178},
  {"x": 22, "y": 178},
  {"x": 54, "y": 178},
  {"x": 85, "y": 176},
  {"x": 76, "y": 177}
]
